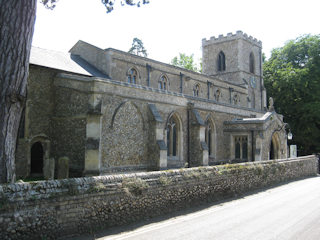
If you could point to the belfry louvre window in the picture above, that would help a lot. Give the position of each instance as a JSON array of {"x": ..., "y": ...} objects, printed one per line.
[
  {"x": 241, "y": 147},
  {"x": 163, "y": 83},
  {"x": 132, "y": 76},
  {"x": 251, "y": 63},
  {"x": 221, "y": 62}
]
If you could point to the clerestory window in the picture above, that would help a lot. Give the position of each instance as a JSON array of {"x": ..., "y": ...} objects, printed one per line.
[
  {"x": 196, "y": 90},
  {"x": 132, "y": 76},
  {"x": 163, "y": 83}
]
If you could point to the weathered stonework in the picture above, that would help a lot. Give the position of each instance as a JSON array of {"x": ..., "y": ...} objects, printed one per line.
[
  {"x": 91, "y": 110},
  {"x": 56, "y": 208}
]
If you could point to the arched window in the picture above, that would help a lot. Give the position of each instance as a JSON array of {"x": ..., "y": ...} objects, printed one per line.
[
  {"x": 236, "y": 99},
  {"x": 132, "y": 76},
  {"x": 221, "y": 62},
  {"x": 196, "y": 90},
  {"x": 37, "y": 159},
  {"x": 210, "y": 138},
  {"x": 163, "y": 83},
  {"x": 251, "y": 63},
  {"x": 217, "y": 95},
  {"x": 173, "y": 137}
]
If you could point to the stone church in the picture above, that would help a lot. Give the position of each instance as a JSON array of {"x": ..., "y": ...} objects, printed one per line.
[{"x": 110, "y": 111}]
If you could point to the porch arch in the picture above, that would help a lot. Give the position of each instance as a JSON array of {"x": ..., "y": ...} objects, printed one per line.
[{"x": 274, "y": 150}]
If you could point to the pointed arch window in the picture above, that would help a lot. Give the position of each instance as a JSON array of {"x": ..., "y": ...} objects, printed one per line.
[
  {"x": 172, "y": 137},
  {"x": 221, "y": 62},
  {"x": 196, "y": 90},
  {"x": 251, "y": 63},
  {"x": 132, "y": 76},
  {"x": 210, "y": 138},
  {"x": 217, "y": 95},
  {"x": 163, "y": 83}
]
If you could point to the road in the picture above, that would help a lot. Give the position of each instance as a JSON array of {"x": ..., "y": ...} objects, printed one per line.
[{"x": 290, "y": 211}]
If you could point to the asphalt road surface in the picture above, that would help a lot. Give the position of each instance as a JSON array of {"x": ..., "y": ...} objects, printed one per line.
[{"x": 290, "y": 211}]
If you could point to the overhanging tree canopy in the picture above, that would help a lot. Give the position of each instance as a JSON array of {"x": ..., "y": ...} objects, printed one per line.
[{"x": 292, "y": 78}]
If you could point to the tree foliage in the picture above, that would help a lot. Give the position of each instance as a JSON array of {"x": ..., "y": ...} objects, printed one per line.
[
  {"x": 186, "y": 62},
  {"x": 109, "y": 4},
  {"x": 137, "y": 48},
  {"x": 292, "y": 78}
]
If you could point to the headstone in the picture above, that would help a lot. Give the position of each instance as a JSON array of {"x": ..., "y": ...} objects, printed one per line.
[
  {"x": 293, "y": 151},
  {"x": 48, "y": 168},
  {"x": 63, "y": 168}
]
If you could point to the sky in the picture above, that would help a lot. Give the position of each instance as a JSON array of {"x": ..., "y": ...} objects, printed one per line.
[{"x": 170, "y": 27}]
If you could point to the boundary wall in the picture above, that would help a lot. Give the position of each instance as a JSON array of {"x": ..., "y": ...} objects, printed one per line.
[{"x": 57, "y": 208}]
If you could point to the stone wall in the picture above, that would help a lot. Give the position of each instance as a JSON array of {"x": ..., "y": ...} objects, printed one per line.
[
  {"x": 50, "y": 209},
  {"x": 38, "y": 110}
]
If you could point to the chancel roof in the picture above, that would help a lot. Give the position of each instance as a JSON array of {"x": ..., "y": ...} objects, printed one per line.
[{"x": 63, "y": 61}]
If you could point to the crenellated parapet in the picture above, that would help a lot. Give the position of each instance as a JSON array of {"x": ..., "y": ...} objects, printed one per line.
[{"x": 230, "y": 37}]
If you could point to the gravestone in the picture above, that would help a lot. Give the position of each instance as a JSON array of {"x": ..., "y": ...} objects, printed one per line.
[
  {"x": 48, "y": 168},
  {"x": 63, "y": 168}
]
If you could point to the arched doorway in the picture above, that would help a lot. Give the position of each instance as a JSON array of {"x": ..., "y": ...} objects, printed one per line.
[
  {"x": 37, "y": 155},
  {"x": 274, "y": 147}
]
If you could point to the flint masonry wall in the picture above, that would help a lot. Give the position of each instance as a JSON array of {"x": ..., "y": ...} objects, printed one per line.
[{"x": 50, "y": 209}]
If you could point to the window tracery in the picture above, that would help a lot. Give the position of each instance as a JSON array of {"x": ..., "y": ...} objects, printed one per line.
[
  {"x": 163, "y": 83},
  {"x": 132, "y": 76},
  {"x": 172, "y": 137},
  {"x": 241, "y": 147},
  {"x": 196, "y": 90}
]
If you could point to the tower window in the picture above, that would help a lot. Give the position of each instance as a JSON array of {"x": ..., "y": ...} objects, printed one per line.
[
  {"x": 251, "y": 63},
  {"x": 221, "y": 62}
]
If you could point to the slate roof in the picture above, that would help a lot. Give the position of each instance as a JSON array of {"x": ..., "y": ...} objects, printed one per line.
[{"x": 63, "y": 61}]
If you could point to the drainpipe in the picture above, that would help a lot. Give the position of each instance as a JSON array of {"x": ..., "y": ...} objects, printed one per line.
[
  {"x": 209, "y": 85},
  {"x": 230, "y": 90},
  {"x": 188, "y": 133},
  {"x": 148, "y": 74},
  {"x": 252, "y": 145},
  {"x": 261, "y": 87},
  {"x": 181, "y": 82}
]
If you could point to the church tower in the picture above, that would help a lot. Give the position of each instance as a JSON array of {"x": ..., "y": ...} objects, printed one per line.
[{"x": 236, "y": 58}]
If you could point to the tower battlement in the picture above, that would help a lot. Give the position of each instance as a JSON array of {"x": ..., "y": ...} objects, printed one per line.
[{"x": 231, "y": 36}]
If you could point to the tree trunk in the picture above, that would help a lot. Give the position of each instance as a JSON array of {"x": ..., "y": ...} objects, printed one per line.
[{"x": 17, "y": 19}]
